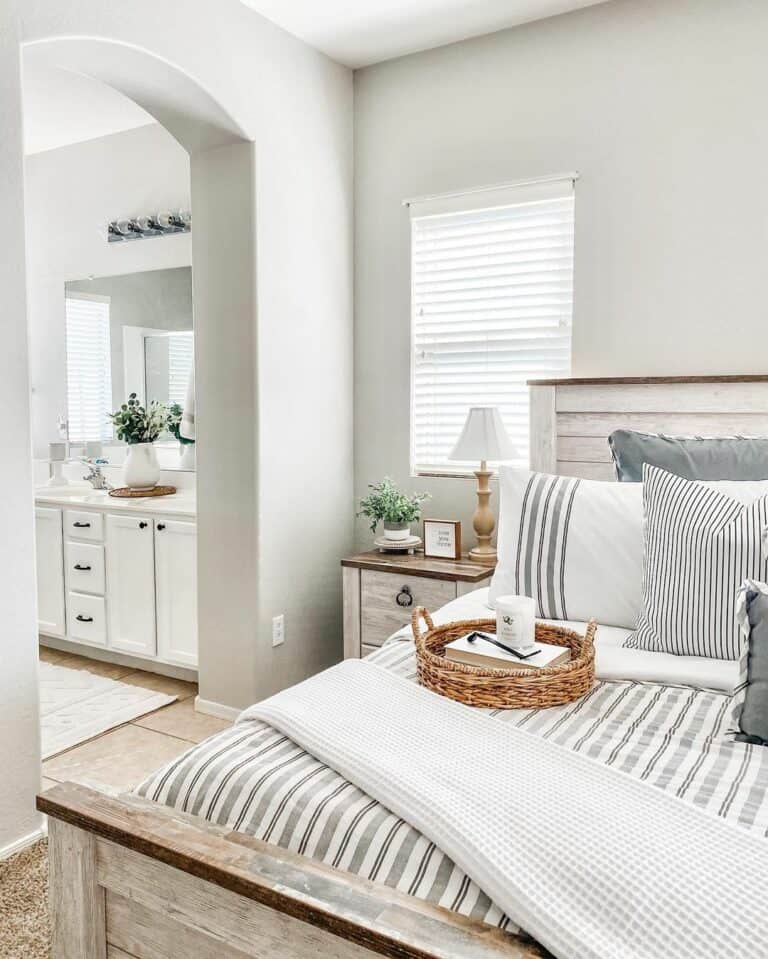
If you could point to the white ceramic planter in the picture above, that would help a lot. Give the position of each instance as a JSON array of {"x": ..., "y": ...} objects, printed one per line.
[
  {"x": 141, "y": 469},
  {"x": 397, "y": 532}
]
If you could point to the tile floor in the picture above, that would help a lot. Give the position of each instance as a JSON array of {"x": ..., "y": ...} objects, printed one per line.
[{"x": 122, "y": 757}]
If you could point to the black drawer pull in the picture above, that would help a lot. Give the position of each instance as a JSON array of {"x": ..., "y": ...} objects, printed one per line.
[
  {"x": 82, "y": 569},
  {"x": 404, "y": 598},
  {"x": 82, "y": 525},
  {"x": 160, "y": 526},
  {"x": 84, "y": 619},
  {"x": 142, "y": 525}
]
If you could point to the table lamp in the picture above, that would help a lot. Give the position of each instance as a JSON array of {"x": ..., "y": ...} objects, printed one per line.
[{"x": 483, "y": 438}]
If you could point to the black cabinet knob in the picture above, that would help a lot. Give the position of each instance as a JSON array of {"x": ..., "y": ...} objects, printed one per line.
[
  {"x": 160, "y": 527},
  {"x": 142, "y": 525},
  {"x": 404, "y": 598},
  {"x": 84, "y": 619},
  {"x": 82, "y": 569}
]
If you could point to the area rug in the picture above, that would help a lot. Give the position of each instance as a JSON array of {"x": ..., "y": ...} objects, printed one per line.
[
  {"x": 76, "y": 705},
  {"x": 24, "y": 925}
]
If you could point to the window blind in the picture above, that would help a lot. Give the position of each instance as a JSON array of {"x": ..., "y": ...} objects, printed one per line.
[
  {"x": 89, "y": 367},
  {"x": 492, "y": 303},
  {"x": 180, "y": 358}
]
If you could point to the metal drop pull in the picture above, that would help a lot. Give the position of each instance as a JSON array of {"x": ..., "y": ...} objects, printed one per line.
[
  {"x": 82, "y": 569},
  {"x": 404, "y": 598}
]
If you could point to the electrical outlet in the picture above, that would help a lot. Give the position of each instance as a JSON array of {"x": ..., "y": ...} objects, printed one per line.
[{"x": 278, "y": 630}]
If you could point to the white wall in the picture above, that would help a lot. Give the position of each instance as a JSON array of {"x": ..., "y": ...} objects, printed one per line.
[
  {"x": 660, "y": 105},
  {"x": 19, "y": 721},
  {"x": 294, "y": 268},
  {"x": 71, "y": 195}
]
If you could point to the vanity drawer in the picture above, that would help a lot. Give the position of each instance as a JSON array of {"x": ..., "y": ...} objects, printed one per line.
[
  {"x": 380, "y": 612},
  {"x": 80, "y": 524},
  {"x": 85, "y": 567},
  {"x": 87, "y": 618}
]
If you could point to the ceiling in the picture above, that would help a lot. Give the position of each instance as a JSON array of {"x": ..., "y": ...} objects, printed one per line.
[
  {"x": 61, "y": 108},
  {"x": 361, "y": 32}
]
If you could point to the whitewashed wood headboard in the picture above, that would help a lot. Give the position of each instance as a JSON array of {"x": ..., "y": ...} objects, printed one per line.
[{"x": 570, "y": 420}]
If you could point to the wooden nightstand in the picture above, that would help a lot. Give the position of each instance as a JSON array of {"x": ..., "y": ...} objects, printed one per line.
[{"x": 382, "y": 589}]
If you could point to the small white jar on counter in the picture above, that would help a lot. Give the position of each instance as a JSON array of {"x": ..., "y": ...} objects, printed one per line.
[{"x": 516, "y": 621}]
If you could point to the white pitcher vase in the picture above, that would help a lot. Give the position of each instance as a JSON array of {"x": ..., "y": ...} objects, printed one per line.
[{"x": 141, "y": 470}]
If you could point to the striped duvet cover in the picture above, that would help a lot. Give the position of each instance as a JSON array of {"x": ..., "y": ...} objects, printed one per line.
[{"x": 253, "y": 779}]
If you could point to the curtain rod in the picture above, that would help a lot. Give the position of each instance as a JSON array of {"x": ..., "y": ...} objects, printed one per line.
[{"x": 573, "y": 177}]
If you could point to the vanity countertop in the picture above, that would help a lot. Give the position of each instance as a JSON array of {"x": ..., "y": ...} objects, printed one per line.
[{"x": 181, "y": 504}]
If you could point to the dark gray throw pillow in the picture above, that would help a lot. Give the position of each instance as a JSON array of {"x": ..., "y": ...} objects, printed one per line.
[
  {"x": 750, "y": 712},
  {"x": 692, "y": 457}
]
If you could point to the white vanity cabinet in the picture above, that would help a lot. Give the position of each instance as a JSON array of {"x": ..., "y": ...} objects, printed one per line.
[
  {"x": 131, "y": 583},
  {"x": 176, "y": 595},
  {"x": 120, "y": 579},
  {"x": 49, "y": 542}
]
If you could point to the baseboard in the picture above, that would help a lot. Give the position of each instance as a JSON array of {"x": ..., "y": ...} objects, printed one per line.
[
  {"x": 218, "y": 710},
  {"x": 7, "y": 851}
]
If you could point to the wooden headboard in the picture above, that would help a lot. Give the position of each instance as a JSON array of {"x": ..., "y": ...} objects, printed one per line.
[{"x": 570, "y": 420}]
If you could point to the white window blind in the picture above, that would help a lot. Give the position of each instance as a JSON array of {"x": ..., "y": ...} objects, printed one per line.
[
  {"x": 492, "y": 303},
  {"x": 180, "y": 358},
  {"x": 89, "y": 367}
]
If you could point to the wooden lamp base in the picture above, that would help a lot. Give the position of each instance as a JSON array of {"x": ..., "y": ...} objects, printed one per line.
[{"x": 483, "y": 521}]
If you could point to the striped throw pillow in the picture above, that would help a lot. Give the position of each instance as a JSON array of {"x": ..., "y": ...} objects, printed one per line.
[
  {"x": 574, "y": 545},
  {"x": 700, "y": 545}
]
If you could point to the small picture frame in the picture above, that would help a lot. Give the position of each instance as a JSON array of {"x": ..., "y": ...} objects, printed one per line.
[{"x": 442, "y": 539}]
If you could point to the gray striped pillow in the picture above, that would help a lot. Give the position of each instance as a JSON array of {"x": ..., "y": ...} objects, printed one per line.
[{"x": 700, "y": 545}]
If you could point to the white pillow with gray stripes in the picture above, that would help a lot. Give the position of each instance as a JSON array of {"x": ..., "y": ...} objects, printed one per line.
[
  {"x": 574, "y": 545},
  {"x": 700, "y": 545}
]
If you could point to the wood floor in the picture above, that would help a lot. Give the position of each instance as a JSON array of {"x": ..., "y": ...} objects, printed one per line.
[{"x": 121, "y": 758}]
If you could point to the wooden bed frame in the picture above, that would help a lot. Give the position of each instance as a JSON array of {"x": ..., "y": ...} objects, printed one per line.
[{"x": 130, "y": 879}]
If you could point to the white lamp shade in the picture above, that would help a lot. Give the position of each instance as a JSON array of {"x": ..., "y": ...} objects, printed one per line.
[{"x": 484, "y": 437}]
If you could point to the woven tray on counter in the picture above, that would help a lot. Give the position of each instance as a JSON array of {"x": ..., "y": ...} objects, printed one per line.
[{"x": 503, "y": 688}]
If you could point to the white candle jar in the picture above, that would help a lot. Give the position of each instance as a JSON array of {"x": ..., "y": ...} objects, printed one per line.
[{"x": 516, "y": 621}]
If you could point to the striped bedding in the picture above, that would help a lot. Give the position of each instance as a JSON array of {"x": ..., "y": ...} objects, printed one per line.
[{"x": 253, "y": 779}]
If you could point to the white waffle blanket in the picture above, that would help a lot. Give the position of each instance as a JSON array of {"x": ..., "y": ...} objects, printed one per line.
[{"x": 590, "y": 861}]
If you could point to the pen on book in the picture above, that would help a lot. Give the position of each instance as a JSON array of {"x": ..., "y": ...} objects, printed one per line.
[{"x": 507, "y": 649}]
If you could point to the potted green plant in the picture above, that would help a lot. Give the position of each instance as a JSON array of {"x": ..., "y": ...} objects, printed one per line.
[
  {"x": 186, "y": 445},
  {"x": 139, "y": 427},
  {"x": 386, "y": 504}
]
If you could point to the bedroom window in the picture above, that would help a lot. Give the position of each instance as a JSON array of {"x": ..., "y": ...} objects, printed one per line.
[
  {"x": 89, "y": 367},
  {"x": 491, "y": 307}
]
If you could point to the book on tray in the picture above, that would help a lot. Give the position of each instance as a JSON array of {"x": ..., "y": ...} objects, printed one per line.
[{"x": 484, "y": 651}]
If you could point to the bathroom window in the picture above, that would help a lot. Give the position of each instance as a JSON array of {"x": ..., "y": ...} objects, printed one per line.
[
  {"x": 491, "y": 307},
  {"x": 89, "y": 367}
]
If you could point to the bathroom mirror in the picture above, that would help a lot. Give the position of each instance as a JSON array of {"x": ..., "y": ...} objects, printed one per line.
[{"x": 127, "y": 334}]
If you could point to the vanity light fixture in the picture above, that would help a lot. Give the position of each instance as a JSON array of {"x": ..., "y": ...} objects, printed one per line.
[{"x": 154, "y": 224}]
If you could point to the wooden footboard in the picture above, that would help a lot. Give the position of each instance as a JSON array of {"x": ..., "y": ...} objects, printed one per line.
[{"x": 130, "y": 879}]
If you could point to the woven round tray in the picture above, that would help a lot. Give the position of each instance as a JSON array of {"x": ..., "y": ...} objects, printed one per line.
[
  {"x": 126, "y": 493},
  {"x": 503, "y": 688}
]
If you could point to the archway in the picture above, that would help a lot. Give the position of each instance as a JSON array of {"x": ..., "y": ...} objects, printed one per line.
[{"x": 224, "y": 286}]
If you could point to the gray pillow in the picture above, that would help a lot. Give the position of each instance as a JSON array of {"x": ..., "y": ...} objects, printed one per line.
[
  {"x": 751, "y": 701},
  {"x": 692, "y": 457}
]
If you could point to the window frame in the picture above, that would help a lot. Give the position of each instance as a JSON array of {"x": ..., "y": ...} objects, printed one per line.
[{"x": 471, "y": 201}]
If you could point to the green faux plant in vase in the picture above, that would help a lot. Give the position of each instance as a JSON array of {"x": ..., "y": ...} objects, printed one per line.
[
  {"x": 139, "y": 427},
  {"x": 175, "y": 413},
  {"x": 396, "y": 510}
]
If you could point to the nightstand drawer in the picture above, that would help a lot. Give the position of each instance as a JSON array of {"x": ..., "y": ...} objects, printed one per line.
[{"x": 388, "y": 599}]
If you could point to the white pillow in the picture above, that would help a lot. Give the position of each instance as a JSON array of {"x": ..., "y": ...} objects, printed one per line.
[
  {"x": 574, "y": 545},
  {"x": 701, "y": 543}
]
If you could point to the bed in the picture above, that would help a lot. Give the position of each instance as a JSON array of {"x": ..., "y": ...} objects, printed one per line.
[{"x": 249, "y": 845}]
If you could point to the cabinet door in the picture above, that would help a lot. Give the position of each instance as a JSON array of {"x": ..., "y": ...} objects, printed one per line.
[
  {"x": 50, "y": 571},
  {"x": 131, "y": 584},
  {"x": 176, "y": 574}
]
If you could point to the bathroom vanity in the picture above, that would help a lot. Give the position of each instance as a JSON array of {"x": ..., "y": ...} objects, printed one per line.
[{"x": 119, "y": 574}]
